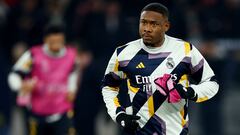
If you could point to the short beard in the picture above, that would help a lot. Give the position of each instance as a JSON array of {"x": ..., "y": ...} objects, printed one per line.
[{"x": 149, "y": 44}]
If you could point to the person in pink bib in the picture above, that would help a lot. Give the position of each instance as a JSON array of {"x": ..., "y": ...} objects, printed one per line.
[{"x": 45, "y": 78}]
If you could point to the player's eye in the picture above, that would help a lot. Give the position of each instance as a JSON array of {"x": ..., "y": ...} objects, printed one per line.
[
  {"x": 154, "y": 24},
  {"x": 143, "y": 22}
]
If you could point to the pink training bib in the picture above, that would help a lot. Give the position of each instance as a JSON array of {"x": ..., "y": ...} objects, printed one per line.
[{"x": 49, "y": 96}]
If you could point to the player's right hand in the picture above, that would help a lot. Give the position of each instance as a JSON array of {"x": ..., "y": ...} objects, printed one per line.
[
  {"x": 28, "y": 85},
  {"x": 128, "y": 122}
]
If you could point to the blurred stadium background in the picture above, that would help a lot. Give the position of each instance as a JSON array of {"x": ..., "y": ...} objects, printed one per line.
[{"x": 97, "y": 27}]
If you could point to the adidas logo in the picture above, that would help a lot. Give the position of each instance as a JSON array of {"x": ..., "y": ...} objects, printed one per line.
[{"x": 140, "y": 65}]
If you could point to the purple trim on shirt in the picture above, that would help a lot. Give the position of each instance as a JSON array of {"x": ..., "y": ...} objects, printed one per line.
[
  {"x": 158, "y": 55},
  {"x": 123, "y": 63},
  {"x": 198, "y": 66},
  {"x": 162, "y": 123},
  {"x": 186, "y": 125},
  {"x": 186, "y": 60}
]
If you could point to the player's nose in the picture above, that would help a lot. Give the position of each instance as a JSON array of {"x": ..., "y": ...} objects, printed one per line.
[{"x": 147, "y": 28}]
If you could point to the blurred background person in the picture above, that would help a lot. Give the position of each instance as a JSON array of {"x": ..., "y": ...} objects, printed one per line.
[
  {"x": 45, "y": 78},
  {"x": 86, "y": 105}
]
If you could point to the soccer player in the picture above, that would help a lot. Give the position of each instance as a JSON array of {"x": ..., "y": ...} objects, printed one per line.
[
  {"x": 45, "y": 78},
  {"x": 163, "y": 74}
]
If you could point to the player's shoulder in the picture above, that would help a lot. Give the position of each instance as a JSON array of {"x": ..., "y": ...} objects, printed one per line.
[
  {"x": 35, "y": 48},
  {"x": 178, "y": 41},
  {"x": 132, "y": 44},
  {"x": 175, "y": 40}
]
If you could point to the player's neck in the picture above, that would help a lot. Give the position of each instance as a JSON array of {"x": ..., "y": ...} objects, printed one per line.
[
  {"x": 54, "y": 54},
  {"x": 159, "y": 44}
]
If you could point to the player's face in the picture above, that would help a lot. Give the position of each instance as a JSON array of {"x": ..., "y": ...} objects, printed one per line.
[
  {"x": 152, "y": 28},
  {"x": 55, "y": 42}
]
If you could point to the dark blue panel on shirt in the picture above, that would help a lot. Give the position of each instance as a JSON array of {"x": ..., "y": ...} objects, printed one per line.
[
  {"x": 181, "y": 69},
  {"x": 119, "y": 49},
  {"x": 158, "y": 99},
  {"x": 138, "y": 101},
  {"x": 155, "y": 125},
  {"x": 150, "y": 65},
  {"x": 197, "y": 76}
]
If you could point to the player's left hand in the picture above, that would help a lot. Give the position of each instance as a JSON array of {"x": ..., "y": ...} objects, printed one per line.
[
  {"x": 186, "y": 92},
  {"x": 71, "y": 96}
]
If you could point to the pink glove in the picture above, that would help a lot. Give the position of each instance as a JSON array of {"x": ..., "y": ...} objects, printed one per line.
[{"x": 165, "y": 85}]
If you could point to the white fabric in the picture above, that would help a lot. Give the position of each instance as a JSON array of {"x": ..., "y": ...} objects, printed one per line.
[{"x": 168, "y": 112}]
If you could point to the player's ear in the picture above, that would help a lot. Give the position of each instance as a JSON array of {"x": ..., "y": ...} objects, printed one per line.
[{"x": 166, "y": 25}]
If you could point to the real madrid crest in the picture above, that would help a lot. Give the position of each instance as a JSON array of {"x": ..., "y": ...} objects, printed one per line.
[{"x": 170, "y": 63}]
